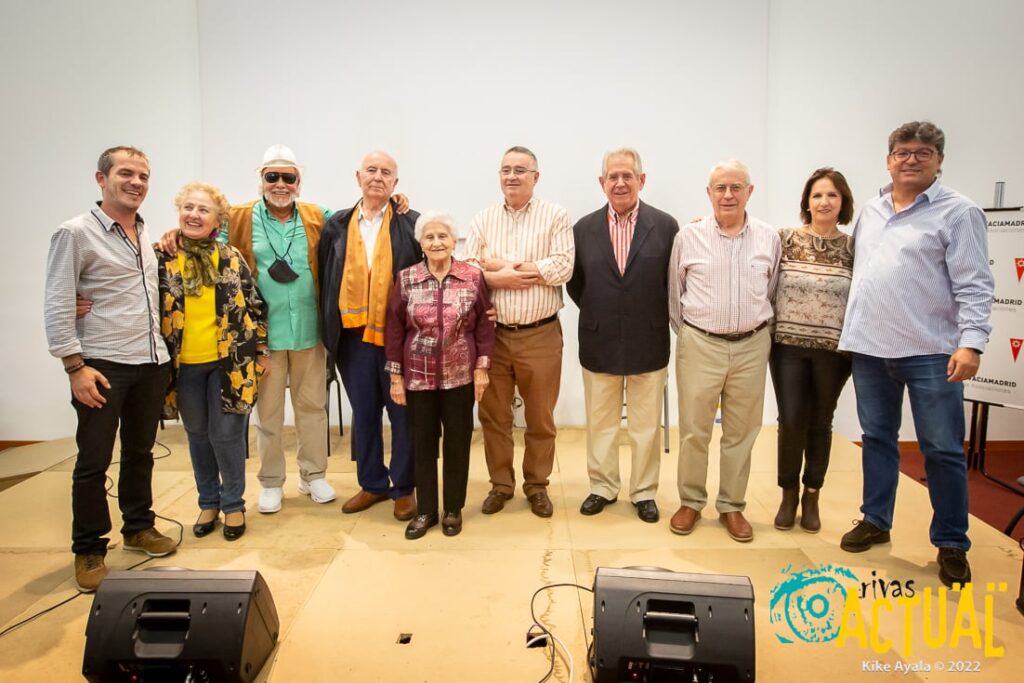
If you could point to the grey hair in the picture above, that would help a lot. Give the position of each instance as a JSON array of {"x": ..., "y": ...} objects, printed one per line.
[
  {"x": 638, "y": 166},
  {"x": 925, "y": 132},
  {"x": 519, "y": 149},
  {"x": 428, "y": 217},
  {"x": 729, "y": 165}
]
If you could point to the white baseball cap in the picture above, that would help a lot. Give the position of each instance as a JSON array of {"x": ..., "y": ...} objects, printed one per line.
[{"x": 280, "y": 155}]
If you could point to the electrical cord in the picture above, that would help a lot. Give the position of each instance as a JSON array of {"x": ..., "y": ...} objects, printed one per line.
[
  {"x": 79, "y": 593},
  {"x": 552, "y": 638}
]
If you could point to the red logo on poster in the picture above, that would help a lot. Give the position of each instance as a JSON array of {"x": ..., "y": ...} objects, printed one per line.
[
  {"x": 1020, "y": 268},
  {"x": 1015, "y": 345}
]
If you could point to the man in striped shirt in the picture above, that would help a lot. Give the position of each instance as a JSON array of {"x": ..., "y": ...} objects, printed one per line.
[
  {"x": 620, "y": 283},
  {"x": 722, "y": 276},
  {"x": 525, "y": 247},
  {"x": 917, "y": 318},
  {"x": 115, "y": 358}
]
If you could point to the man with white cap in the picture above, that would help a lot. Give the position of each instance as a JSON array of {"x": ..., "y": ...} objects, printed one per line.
[{"x": 278, "y": 236}]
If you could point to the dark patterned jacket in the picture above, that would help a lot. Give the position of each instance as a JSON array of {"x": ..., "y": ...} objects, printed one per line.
[{"x": 241, "y": 324}]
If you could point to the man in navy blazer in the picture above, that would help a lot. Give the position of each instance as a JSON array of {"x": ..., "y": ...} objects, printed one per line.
[{"x": 620, "y": 283}]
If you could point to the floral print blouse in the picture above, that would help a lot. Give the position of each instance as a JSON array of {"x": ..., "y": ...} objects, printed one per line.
[
  {"x": 241, "y": 324},
  {"x": 437, "y": 332}
]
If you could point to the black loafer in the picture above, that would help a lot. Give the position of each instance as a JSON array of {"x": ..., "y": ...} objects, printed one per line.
[
  {"x": 595, "y": 504},
  {"x": 862, "y": 536},
  {"x": 233, "y": 533},
  {"x": 200, "y": 529},
  {"x": 417, "y": 528},
  {"x": 954, "y": 567},
  {"x": 451, "y": 523},
  {"x": 647, "y": 510}
]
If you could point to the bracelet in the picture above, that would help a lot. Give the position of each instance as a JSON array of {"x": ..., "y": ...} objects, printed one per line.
[
  {"x": 263, "y": 352},
  {"x": 75, "y": 367}
]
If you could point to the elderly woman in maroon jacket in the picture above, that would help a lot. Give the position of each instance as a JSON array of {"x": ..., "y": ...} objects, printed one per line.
[{"x": 438, "y": 344}]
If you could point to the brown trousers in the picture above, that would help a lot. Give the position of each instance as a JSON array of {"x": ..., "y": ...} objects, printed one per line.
[{"x": 530, "y": 359}]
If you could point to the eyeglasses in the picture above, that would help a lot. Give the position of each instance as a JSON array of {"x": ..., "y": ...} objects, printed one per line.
[
  {"x": 923, "y": 154},
  {"x": 516, "y": 171},
  {"x": 735, "y": 188},
  {"x": 273, "y": 176}
]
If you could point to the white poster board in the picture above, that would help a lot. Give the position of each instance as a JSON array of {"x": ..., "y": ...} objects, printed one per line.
[{"x": 1000, "y": 380}]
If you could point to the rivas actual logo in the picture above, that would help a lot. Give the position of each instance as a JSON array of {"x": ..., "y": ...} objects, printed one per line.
[{"x": 831, "y": 604}]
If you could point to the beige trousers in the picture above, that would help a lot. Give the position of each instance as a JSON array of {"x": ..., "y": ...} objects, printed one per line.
[
  {"x": 603, "y": 396},
  {"x": 709, "y": 370},
  {"x": 305, "y": 374}
]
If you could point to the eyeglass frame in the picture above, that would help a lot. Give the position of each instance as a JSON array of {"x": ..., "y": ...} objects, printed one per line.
[
  {"x": 905, "y": 154},
  {"x": 515, "y": 171},
  {"x": 273, "y": 176}
]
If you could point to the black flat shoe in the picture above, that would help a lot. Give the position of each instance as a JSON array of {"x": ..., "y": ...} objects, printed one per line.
[
  {"x": 595, "y": 504},
  {"x": 647, "y": 510},
  {"x": 451, "y": 523},
  {"x": 418, "y": 526},
  {"x": 233, "y": 533},
  {"x": 200, "y": 529}
]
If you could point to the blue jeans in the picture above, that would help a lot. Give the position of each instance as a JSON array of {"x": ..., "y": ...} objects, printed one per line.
[
  {"x": 937, "y": 406},
  {"x": 216, "y": 440}
]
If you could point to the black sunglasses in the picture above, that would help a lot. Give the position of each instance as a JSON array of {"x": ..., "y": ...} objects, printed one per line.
[{"x": 274, "y": 176}]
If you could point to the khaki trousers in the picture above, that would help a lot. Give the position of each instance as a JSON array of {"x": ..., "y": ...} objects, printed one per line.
[
  {"x": 532, "y": 360},
  {"x": 709, "y": 370},
  {"x": 603, "y": 396},
  {"x": 305, "y": 374}
]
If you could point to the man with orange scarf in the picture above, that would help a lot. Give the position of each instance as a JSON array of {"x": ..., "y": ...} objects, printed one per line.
[{"x": 361, "y": 251}]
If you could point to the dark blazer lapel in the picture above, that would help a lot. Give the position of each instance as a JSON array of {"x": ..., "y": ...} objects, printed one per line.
[
  {"x": 603, "y": 238},
  {"x": 644, "y": 225}
]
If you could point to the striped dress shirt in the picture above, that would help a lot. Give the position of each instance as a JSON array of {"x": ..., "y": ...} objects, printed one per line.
[
  {"x": 921, "y": 279},
  {"x": 539, "y": 233},
  {"x": 621, "y": 230},
  {"x": 91, "y": 255},
  {"x": 723, "y": 284}
]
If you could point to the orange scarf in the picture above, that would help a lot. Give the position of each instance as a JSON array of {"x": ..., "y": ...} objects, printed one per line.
[{"x": 365, "y": 288}]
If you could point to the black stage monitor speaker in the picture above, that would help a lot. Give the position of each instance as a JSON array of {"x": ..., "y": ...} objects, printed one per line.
[
  {"x": 163, "y": 625},
  {"x": 652, "y": 625}
]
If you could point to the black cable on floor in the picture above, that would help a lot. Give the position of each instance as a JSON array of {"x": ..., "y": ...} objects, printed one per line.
[{"x": 109, "y": 485}]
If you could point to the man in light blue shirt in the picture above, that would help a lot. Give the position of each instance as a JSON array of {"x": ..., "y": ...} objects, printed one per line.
[{"x": 917, "y": 317}]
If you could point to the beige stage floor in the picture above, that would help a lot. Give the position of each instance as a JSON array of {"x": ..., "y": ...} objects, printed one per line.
[{"x": 346, "y": 586}]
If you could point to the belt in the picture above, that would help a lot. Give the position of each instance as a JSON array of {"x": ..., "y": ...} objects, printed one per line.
[
  {"x": 527, "y": 326},
  {"x": 729, "y": 336}
]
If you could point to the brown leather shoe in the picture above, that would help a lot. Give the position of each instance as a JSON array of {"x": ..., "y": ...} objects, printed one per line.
[
  {"x": 89, "y": 572},
  {"x": 494, "y": 502},
  {"x": 684, "y": 520},
  {"x": 405, "y": 508},
  {"x": 737, "y": 526},
  {"x": 540, "y": 504},
  {"x": 362, "y": 501}
]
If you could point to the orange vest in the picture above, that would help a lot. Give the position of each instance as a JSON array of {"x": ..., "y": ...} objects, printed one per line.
[{"x": 240, "y": 233}]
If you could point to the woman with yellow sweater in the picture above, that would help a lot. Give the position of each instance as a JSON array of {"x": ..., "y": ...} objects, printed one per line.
[{"x": 214, "y": 323}]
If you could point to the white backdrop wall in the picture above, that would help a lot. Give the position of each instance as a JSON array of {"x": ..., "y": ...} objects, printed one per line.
[{"x": 445, "y": 87}]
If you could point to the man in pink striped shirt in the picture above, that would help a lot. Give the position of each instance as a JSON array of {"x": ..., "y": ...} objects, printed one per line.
[
  {"x": 524, "y": 246},
  {"x": 722, "y": 276},
  {"x": 620, "y": 283}
]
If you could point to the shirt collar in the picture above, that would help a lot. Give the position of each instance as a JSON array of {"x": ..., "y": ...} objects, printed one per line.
[
  {"x": 422, "y": 272},
  {"x": 930, "y": 194},
  {"x": 612, "y": 216},
  {"x": 378, "y": 215},
  {"x": 108, "y": 223},
  {"x": 525, "y": 209},
  {"x": 716, "y": 226}
]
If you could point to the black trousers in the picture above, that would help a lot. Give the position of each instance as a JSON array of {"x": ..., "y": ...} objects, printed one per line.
[
  {"x": 430, "y": 412},
  {"x": 134, "y": 400},
  {"x": 807, "y": 387}
]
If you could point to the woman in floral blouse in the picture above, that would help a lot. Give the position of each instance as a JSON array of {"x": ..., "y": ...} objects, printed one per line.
[
  {"x": 807, "y": 369},
  {"x": 215, "y": 326},
  {"x": 438, "y": 344}
]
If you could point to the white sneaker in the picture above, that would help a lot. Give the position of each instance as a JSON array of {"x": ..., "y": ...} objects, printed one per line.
[
  {"x": 318, "y": 489},
  {"x": 270, "y": 500}
]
